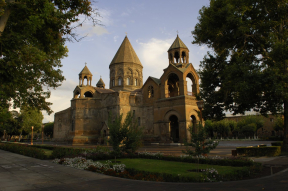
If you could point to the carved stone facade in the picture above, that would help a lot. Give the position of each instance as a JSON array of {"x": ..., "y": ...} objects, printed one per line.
[{"x": 162, "y": 106}]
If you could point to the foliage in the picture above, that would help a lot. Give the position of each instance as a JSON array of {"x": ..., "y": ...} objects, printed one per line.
[
  {"x": 133, "y": 139},
  {"x": 209, "y": 128},
  {"x": 259, "y": 151},
  {"x": 24, "y": 150},
  {"x": 222, "y": 127},
  {"x": 279, "y": 143},
  {"x": 279, "y": 124},
  {"x": 127, "y": 133},
  {"x": 9, "y": 121},
  {"x": 247, "y": 69},
  {"x": 32, "y": 46},
  {"x": 249, "y": 130},
  {"x": 30, "y": 117},
  {"x": 199, "y": 142},
  {"x": 48, "y": 129}
]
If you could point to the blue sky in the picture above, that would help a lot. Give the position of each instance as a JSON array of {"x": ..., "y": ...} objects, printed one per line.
[{"x": 151, "y": 27}]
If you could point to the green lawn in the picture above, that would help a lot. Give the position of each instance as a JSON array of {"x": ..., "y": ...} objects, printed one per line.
[{"x": 171, "y": 167}]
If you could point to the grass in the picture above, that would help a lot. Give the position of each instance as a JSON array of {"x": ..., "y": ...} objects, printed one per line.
[
  {"x": 171, "y": 167},
  {"x": 48, "y": 152}
]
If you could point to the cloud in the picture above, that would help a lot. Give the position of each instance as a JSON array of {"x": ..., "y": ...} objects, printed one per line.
[
  {"x": 154, "y": 57},
  {"x": 87, "y": 28},
  {"x": 60, "y": 98},
  {"x": 115, "y": 38},
  {"x": 124, "y": 25},
  {"x": 124, "y": 14}
]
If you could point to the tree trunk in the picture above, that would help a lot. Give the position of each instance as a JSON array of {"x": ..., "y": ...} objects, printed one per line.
[{"x": 285, "y": 144}]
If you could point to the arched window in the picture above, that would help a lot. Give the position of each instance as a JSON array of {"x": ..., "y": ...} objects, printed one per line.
[
  {"x": 113, "y": 83},
  {"x": 136, "y": 82},
  {"x": 128, "y": 81},
  {"x": 119, "y": 81},
  {"x": 150, "y": 91}
]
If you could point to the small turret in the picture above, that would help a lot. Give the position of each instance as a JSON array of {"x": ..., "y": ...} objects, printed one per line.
[{"x": 100, "y": 84}]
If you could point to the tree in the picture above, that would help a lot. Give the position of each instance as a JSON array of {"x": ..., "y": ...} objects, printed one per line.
[
  {"x": 279, "y": 124},
  {"x": 32, "y": 46},
  {"x": 48, "y": 129},
  {"x": 30, "y": 117},
  {"x": 199, "y": 143},
  {"x": 127, "y": 133},
  {"x": 248, "y": 66}
]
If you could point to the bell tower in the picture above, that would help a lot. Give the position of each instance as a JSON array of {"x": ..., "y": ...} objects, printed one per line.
[
  {"x": 85, "y": 74},
  {"x": 178, "y": 53},
  {"x": 126, "y": 69}
]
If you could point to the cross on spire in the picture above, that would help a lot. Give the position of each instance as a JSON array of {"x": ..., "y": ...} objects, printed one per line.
[
  {"x": 126, "y": 33},
  {"x": 85, "y": 63},
  {"x": 177, "y": 32}
]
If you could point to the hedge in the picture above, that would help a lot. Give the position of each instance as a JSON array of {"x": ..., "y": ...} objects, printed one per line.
[
  {"x": 259, "y": 151},
  {"x": 24, "y": 150},
  {"x": 279, "y": 143}
]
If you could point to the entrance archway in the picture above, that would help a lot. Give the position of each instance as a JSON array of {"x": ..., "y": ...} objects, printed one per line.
[{"x": 174, "y": 128}]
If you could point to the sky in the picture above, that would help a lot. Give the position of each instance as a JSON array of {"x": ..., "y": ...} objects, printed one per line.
[{"x": 151, "y": 27}]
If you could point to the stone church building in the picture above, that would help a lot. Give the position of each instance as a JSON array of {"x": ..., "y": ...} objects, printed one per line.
[{"x": 163, "y": 106}]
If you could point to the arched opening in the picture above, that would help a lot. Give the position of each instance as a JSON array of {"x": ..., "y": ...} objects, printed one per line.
[
  {"x": 88, "y": 94},
  {"x": 183, "y": 57},
  {"x": 104, "y": 133},
  {"x": 77, "y": 94},
  {"x": 119, "y": 81},
  {"x": 150, "y": 91},
  {"x": 191, "y": 86},
  {"x": 136, "y": 82},
  {"x": 128, "y": 81},
  {"x": 113, "y": 83},
  {"x": 176, "y": 56},
  {"x": 173, "y": 85},
  {"x": 174, "y": 128},
  {"x": 194, "y": 123},
  {"x": 85, "y": 77}
]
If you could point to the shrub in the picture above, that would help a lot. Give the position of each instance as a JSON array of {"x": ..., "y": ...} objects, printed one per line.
[
  {"x": 259, "y": 151},
  {"x": 24, "y": 150}
]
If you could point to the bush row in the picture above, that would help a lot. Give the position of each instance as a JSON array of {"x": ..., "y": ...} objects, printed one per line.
[
  {"x": 279, "y": 143},
  {"x": 24, "y": 150},
  {"x": 259, "y": 151}
]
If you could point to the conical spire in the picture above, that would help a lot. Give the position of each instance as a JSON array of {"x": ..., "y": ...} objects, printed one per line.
[
  {"x": 177, "y": 44},
  {"x": 126, "y": 54},
  {"x": 85, "y": 71}
]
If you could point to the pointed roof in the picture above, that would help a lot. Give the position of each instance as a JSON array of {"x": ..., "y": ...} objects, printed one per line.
[
  {"x": 100, "y": 82},
  {"x": 85, "y": 71},
  {"x": 126, "y": 53},
  {"x": 178, "y": 43}
]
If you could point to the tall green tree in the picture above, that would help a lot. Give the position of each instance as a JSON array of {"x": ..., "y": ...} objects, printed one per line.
[
  {"x": 248, "y": 66},
  {"x": 30, "y": 117},
  {"x": 32, "y": 44}
]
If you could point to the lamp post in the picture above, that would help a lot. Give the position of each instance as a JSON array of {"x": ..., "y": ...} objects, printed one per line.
[
  {"x": 32, "y": 135},
  {"x": 200, "y": 105},
  {"x": 42, "y": 133}
]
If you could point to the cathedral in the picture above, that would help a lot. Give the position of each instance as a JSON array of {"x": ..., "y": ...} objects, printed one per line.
[{"x": 162, "y": 106}]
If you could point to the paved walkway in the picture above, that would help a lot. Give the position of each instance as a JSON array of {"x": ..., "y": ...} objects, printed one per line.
[{"x": 19, "y": 172}]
